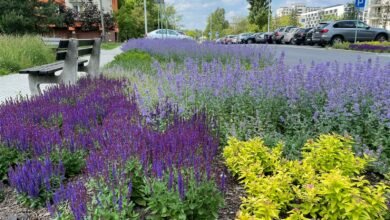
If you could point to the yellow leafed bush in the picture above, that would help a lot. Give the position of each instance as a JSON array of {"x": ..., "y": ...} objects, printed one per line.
[{"x": 324, "y": 185}]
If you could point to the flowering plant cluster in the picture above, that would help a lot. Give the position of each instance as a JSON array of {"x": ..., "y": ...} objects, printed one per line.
[
  {"x": 125, "y": 157},
  {"x": 325, "y": 184},
  {"x": 370, "y": 47},
  {"x": 277, "y": 102},
  {"x": 179, "y": 50}
]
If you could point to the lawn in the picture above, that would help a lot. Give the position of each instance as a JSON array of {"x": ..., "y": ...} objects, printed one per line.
[
  {"x": 180, "y": 130},
  {"x": 110, "y": 45}
]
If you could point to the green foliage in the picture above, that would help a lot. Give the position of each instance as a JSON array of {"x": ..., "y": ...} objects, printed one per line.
[
  {"x": 258, "y": 12},
  {"x": 18, "y": 52},
  {"x": 8, "y": 158},
  {"x": 139, "y": 192},
  {"x": 110, "y": 45},
  {"x": 74, "y": 162},
  {"x": 323, "y": 185},
  {"x": 343, "y": 45},
  {"x": 25, "y": 16},
  {"x": 202, "y": 200},
  {"x": 164, "y": 203},
  {"x": 130, "y": 18},
  {"x": 133, "y": 60},
  {"x": 216, "y": 22},
  {"x": 102, "y": 205},
  {"x": 331, "y": 152}
]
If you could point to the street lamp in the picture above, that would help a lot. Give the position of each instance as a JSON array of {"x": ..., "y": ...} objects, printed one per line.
[
  {"x": 269, "y": 13},
  {"x": 146, "y": 18},
  {"x": 102, "y": 21}
]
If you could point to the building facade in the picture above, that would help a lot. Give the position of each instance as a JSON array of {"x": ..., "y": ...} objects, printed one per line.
[
  {"x": 298, "y": 8},
  {"x": 377, "y": 13},
  {"x": 108, "y": 5},
  {"x": 313, "y": 18}
]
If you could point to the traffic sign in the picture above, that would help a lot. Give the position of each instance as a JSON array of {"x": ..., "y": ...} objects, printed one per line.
[{"x": 360, "y": 3}]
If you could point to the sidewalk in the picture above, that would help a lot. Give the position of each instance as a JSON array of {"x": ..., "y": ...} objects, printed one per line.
[{"x": 14, "y": 85}]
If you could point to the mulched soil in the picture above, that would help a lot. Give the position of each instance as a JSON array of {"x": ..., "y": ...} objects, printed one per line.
[
  {"x": 10, "y": 209},
  {"x": 233, "y": 193}
]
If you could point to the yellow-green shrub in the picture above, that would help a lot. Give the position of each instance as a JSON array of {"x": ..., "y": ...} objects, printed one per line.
[
  {"x": 321, "y": 186},
  {"x": 244, "y": 157},
  {"x": 330, "y": 152}
]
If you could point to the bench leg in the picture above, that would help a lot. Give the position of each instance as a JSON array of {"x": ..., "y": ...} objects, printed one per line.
[
  {"x": 93, "y": 68},
  {"x": 34, "y": 85},
  {"x": 36, "y": 81},
  {"x": 69, "y": 73}
]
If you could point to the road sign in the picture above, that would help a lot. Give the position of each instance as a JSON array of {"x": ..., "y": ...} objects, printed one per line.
[{"x": 360, "y": 3}]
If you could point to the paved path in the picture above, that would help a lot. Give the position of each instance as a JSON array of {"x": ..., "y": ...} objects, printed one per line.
[
  {"x": 307, "y": 54},
  {"x": 14, "y": 85}
]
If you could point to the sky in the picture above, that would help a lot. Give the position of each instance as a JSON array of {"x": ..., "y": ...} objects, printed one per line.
[{"x": 195, "y": 12}]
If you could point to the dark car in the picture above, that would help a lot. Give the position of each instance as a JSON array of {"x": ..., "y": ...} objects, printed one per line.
[
  {"x": 243, "y": 38},
  {"x": 348, "y": 30},
  {"x": 300, "y": 36},
  {"x": 264, "y": 38},
  {"x": 252, "y": 38},
  {"x": 309, "y": 38}
]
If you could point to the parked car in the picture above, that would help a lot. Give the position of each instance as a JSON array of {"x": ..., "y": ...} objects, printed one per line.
[
  {"x": 280, "y": 33},
  {"x": 345, "y": 30},
  {"x": 166, "y": 34},
  {"x": 235, "y": 39},
  {"x": 309, "y": 37},
  {"x": 230, "y": 39},
  {"x": 288, "y": 37},
  {"x": 300, "y": 36},
  {"x": 243, "y": 38},
  {"x": 219, "y": 40},
  {"x": 252, "y": 38},
  {"x": 264, "y": 38}
]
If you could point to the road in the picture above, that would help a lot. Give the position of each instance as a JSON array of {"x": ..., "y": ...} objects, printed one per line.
[{"x": 307, "y": 54}]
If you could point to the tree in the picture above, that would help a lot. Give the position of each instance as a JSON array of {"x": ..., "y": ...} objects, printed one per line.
[
  {"x": 130, "y": 18},
  {"x": 240, "y": 25},
  {"x": 172, "y": 18},
  {"x": 216, "y": 22},
  {"x": 26, "y": 16},
  {"x": 258, "y": 12},
  {"x": 293, "y": 18},
  {"x": 351, "y": 12},
  {"x": 196, "y": 34}
]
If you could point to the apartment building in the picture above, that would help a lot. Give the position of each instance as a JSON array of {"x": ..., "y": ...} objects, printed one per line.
[
  {"x": 298, "y": 8},
  {"x": 313, "y": 18},
  {"x": 377, "y": 13},
  {"x": 108, "y": 5}
]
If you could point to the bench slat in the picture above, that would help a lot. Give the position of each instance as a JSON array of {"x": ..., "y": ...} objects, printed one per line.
[
  {"x": 61, "y": 55},
  {"x": 49, "y": 69},
  {"x": 82, "y": 43}
]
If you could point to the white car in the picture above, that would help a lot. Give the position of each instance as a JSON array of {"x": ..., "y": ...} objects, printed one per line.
[{"x": 167, "y": 34}]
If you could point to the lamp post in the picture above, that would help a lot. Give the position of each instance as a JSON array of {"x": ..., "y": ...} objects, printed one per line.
[
  {"x": 146, "y": 18},
  {"x": 269, "y": 13},
  {"x": 102, "y": 21}
]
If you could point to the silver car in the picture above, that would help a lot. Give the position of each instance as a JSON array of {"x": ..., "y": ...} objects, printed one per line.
[{"x": 346, "y": 30}]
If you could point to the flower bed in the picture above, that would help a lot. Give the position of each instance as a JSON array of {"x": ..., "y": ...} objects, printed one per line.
[
  {"x": 96, "y": 131},
  {"x": 277, "y": 102}
]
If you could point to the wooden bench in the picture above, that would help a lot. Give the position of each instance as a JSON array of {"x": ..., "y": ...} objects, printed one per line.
[{"x": 68, "y": 59}]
